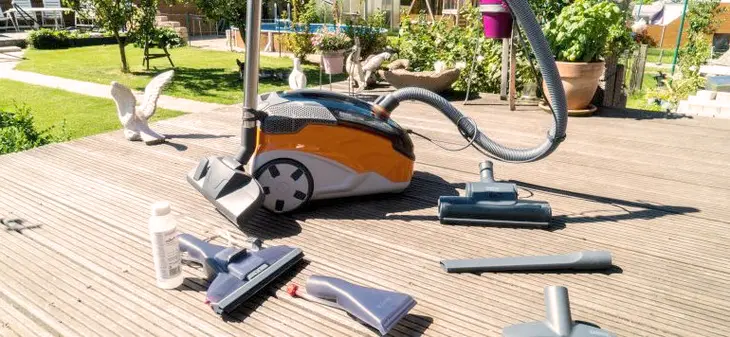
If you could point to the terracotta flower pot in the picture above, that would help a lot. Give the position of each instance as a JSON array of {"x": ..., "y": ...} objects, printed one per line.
[
  {"x": 580, "y": 81},
  {"x": 333, "y": 62}
]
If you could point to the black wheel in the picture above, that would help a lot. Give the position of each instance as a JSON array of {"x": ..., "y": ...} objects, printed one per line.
[{"x": 287, "y": 185}]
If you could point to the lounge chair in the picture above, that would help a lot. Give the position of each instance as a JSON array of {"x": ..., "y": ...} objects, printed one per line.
[
  {"x": 55, "y": 16},
  {"x": 84, "y": 16},
  {"x": 23, "y": 12},
  {"x": 6, "y": 19}
]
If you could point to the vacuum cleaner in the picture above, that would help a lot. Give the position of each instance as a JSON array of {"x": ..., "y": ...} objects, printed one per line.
[
  {"x": 380, "y": 309},
  {"x": 237, "y": 274},
  {"x": 304, "y": 145},
  {"x": 583, "y": 260},
  {"x": 558, "y": 322}
]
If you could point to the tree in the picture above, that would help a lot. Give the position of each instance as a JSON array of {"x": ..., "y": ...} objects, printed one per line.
[
  {"x": 233, "y": 11},
  {"x": 112, "y": 16}
]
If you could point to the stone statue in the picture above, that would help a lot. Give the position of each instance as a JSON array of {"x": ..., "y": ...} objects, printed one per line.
[
  {"x": 297, "y": 79},
  {"x": 362, "y": 73},
  {"x": 134, "y": 118}
]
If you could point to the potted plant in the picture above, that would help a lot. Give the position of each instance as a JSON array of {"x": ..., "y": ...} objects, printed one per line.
[
  {"x": 332, "y": 46},
  {"x": 580, "y": 36}
]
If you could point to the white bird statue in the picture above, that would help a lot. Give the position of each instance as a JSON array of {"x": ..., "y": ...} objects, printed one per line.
[
  {"x": 354, "y": 68},
  {"x": 372, "y": 64},
  {"x": 297, "y": 79},
  {"x": 134, "y": 118}
]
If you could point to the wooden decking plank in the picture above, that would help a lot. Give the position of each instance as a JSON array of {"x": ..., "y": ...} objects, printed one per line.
[
  {"x": 606, "y": 176},
  {"x": 12, "y": 319},
  {"x": 128, "y": 266},
  {"x": 109, "y": 317}
]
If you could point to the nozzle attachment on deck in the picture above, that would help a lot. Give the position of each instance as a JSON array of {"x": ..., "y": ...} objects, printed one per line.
[
  {"x": 558, "y": 321},
  {"x": 583, "y": 260},
  {"x": 381, "y": 309},
  {"x": 237, "y": 274},
  {"x": 489, "y": 202}
]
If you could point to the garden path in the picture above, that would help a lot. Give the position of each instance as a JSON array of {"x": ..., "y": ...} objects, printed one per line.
[{"x": 7, "y": 71}]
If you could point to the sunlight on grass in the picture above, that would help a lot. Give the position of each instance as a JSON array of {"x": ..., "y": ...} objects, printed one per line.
[
  {"x": 83, "y": 115},
  {"x": 203, "y": 75}
]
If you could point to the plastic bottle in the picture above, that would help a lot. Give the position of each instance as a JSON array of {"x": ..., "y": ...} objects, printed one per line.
[{"x": 165, "y": 247}]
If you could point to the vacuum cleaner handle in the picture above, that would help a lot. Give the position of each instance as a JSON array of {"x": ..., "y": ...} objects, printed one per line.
[{"x": 197, "y": 249}]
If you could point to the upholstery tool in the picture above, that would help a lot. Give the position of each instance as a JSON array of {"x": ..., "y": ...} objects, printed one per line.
[
  {"x": 492, "y": 203},
  {"x": 558, "y": 322},
  {"x": 237, "y": 274},
  {"x": 381, "y": 309},
  {"x": 304, "y": 145},
  {"x": 584, "y": 260}
]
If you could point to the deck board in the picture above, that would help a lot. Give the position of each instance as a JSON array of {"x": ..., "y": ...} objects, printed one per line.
[{"x": 653, "y": 191}]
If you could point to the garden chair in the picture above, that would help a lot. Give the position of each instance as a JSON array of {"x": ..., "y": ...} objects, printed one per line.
[
  {"x": 6, "y": 19},
  {"x": 84, "y": 16},
  {"x": 56, "y": 16},
  {"x": 23, "y": 12}
]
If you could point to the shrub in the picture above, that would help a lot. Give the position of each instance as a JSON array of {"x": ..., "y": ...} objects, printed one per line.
[
  {"x": 45, "y": 38},
  {"x": 300, "y": 44},
  {"x": 304, "y": 12},
  {"x": 18, "y": 133},
  {"x": 423, "y": 43},
  {"x": 159, "y": 36},
  {"x": 369, "y": 32}
]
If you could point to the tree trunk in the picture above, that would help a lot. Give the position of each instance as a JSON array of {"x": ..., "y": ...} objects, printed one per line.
[{"x": 122, "y": 53}]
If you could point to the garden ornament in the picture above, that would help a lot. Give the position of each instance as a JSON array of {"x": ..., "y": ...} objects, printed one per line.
[
  {"x": 297, "y": 79},
  {"x": 373, "y": 62},
  {"x": 134, "y": 118},
  {"x": 354, "y": 67}
]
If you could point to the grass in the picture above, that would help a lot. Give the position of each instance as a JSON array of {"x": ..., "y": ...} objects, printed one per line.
[
  {"x": 637, "y": 100},
  {"x": 652, "y": 55},
  {"x": 203, "y": 75},
  {"x": 83, "y": 115}
]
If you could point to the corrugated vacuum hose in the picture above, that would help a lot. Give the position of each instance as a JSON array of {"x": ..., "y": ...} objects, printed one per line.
[{"x": 527, "y": 20}]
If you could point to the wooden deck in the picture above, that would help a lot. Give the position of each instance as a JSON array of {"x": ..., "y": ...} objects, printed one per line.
[{"x": 653, "y": 191}]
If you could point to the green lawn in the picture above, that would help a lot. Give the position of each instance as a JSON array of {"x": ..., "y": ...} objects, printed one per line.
[
  {"x": 637, "y": 100},
  {"x": 203, "y": 75},
  {"x": 652, "y": 55},
  {"x": 83, "y": 115}
]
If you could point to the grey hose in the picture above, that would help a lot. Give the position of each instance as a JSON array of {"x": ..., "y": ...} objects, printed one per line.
[{"x": 546, "y": 61}]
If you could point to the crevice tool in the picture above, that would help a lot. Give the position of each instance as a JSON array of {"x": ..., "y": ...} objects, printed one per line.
[{"x": 583, "y": 260}]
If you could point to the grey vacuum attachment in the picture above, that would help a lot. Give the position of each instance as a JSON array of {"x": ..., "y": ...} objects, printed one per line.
[
  {"x": 492, "y": 203},
  {"x": 558, "y": 322},
  {"x": 584, "y": 260},
  {"x": 223, "y": 180},
  {"x": 237, "y": 274},
  {"x": 381, "y": 309}
]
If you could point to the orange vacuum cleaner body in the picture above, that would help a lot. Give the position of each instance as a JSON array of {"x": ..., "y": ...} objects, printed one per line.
[{"x": 320, "y": 145}]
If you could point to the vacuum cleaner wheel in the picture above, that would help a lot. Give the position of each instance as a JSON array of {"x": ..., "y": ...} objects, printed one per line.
[{"x": 287, "y": 184}]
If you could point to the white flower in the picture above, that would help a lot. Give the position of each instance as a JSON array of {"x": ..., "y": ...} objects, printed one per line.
[
  {"x": 480, "y": 58},
  {"x": 460, "y": 65}
]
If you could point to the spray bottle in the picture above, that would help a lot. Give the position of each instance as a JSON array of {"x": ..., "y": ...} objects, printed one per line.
[{"x": 165, "y": 247}]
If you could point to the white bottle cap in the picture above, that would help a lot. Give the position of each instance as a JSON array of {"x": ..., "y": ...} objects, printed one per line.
[{"x": 161, "y": 208}]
